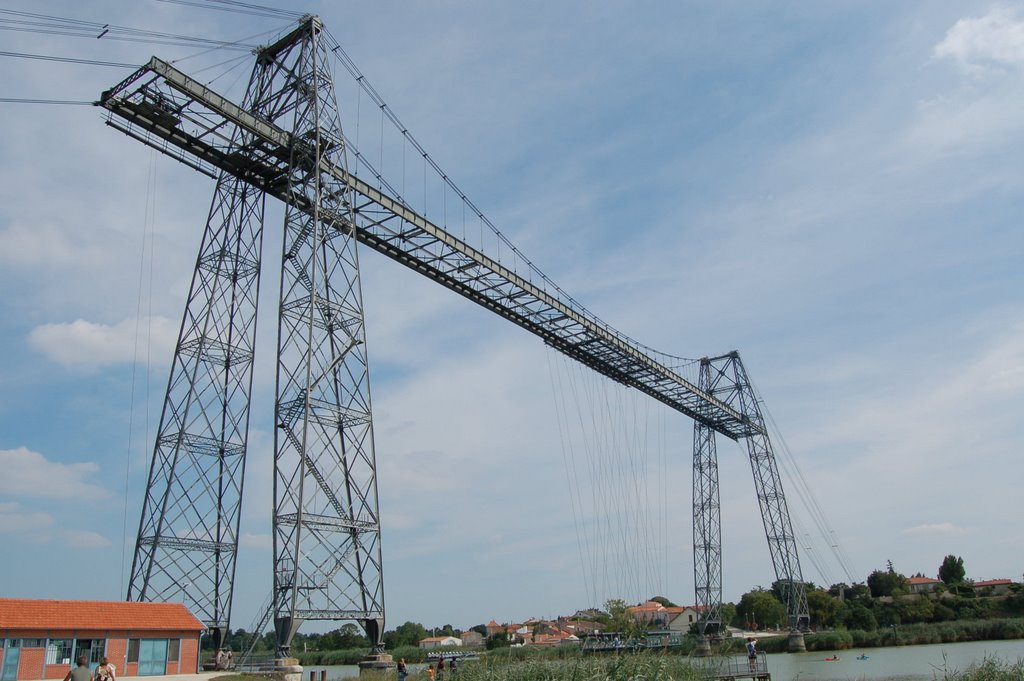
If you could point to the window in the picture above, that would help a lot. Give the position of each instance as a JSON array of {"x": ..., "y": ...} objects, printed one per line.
[
  {"x": 58, "y": 651},
  {"x": 33, "y": 643},
  {"x": 133, "y": 650},
  {"x": 92, "y": 648},
  {"x": 172, "y": 649},
  {"x": 13, "y": 643}
]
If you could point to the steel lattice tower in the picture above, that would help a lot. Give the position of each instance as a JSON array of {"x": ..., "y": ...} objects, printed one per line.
[
  {"x": 188, "y": 532},
  {"x": 327, "y": 555},
  {"x": 725, "y": 378}
]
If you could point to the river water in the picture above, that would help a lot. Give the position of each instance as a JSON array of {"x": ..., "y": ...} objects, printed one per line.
[{"x": 905, "y": 663}]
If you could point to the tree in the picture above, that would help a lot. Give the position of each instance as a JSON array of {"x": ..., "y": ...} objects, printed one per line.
[
  {"x": 408, "y": 634},
  {"x": 886, "y": 583},
  {"x": 498, "y": 640},
  {"x": 728, "y": 613},
  {"x": 760, "y": 608},
  {"x": 856, "y": 616},
  {"x": 663, "y": 601},
  {"x": 347, "y": 637},
  {"x": 619, "y": 618},
  {"x": 952, "y": 572},
  {"x": 822, "y": 607}
]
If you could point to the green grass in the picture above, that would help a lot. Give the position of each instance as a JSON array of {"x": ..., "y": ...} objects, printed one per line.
[
  {"x": 641, "y": 667},
  {"x": 990, "y": 669}
]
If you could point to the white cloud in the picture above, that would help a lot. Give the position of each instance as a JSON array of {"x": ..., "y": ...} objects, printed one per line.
[
  {"x": 37, "y": 527},
  {"x": 88, "y": 345},
  {"x": 82, "y": 539},
  {"x": 44, "y": 245},
  {"x": 30, "y": 474},
  {"x": 14, "y": 520},
  {"x": 934, "y": 530},
  {"x": 993, "y": 40}
]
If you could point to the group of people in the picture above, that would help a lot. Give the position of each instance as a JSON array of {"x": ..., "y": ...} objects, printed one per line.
[
  {"x": 224, "y": 659},
  {"x": 105, "y": 671},
  {"x": 435, "y": 672}
]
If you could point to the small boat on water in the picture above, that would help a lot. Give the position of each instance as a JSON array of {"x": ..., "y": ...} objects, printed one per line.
[
  {"x": 834, "y": 658},
  {"x": 862, "y": 656}
]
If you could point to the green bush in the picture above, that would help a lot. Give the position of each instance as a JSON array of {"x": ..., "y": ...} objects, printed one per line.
[{"x": 829, "y": 640}]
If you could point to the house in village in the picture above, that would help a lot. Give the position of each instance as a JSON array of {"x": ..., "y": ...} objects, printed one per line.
[
  {"x": 440, "y": 642},
  {"x": 654, "y": 616},
  {"x": 918, "y": 584},
  {"x": 472, "y": 639},
  {"x": 993, "y": 587}
]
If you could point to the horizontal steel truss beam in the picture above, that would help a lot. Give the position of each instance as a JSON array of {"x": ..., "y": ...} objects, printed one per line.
[{"x": 186, "y": 120}]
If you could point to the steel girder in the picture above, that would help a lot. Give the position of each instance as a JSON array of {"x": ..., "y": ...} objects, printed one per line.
[
  {"x": 164, "y": 108},
  {"x": 726, "y": 378}
]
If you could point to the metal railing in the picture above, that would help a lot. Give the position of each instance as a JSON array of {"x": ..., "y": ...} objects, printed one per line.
[{"x": 734, "y": 667}]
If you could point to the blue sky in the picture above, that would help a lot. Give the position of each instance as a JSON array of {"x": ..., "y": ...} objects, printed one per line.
[{"x": 833, "y": 189}]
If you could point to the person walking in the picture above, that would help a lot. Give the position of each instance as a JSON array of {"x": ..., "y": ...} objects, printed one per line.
[
  {"x": 403, "y": 670},
  {"x": 105, "y": 671},
  {"x": 440, "y": 668},
  {"x": 81, "y": 672}
]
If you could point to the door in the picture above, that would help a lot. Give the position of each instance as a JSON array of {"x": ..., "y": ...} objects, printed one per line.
[
  {"x": 152, "y": 656},
  {"x": 12, "y": 653}
]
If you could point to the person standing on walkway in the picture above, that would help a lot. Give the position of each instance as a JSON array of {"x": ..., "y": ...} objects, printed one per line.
[
  {"x": 752, "y": 653},
  {"x": 81, "y": 672}
]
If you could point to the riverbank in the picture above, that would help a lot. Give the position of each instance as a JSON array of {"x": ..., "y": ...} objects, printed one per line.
[{"x": 904, "y": 635}]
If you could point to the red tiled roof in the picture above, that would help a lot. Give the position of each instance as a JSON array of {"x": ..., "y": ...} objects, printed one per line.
[
  {"x": 994, "y": 582},
  {"x": 922, "y": 580},
  {"x": 24, "y": 613}
]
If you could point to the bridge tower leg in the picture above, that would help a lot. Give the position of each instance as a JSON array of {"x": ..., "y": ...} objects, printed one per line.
[
  {"x": 725, "y": 378},
  {"x": 187, "y": 541},
  {"x": 707, "y": 528},
  {"x": 327, "y": 550}
]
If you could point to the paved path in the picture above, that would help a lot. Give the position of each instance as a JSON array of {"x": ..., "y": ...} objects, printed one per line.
[{"x": 201, "y": 676}]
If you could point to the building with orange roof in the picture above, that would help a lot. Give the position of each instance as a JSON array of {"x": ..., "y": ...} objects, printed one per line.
[
  {"x": 43, "y": 638},
  {"x": 994, "y": 587},
  {"x": 919, "y": 584}
]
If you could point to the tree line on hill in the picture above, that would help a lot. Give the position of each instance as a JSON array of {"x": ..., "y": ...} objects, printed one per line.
[{"x": 883, "y": 600}]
